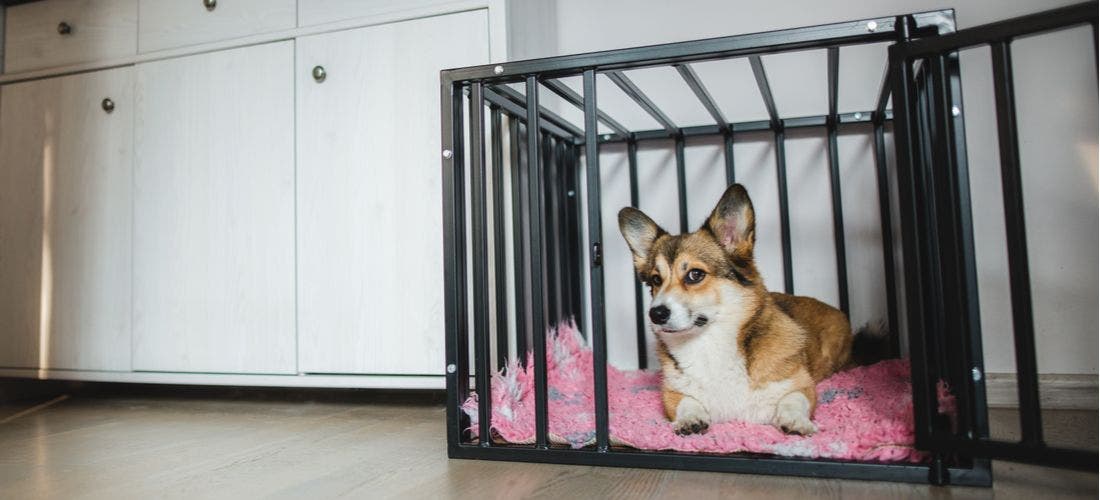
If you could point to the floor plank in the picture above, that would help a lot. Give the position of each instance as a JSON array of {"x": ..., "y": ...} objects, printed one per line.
[{"x": 217, "y": 446}]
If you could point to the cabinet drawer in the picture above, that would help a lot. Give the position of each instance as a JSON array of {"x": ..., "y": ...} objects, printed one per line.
[
  {"x": 166, "y": 24},
  {"x": 58, "y": 32},
  {"x": 313, "y": 12}
]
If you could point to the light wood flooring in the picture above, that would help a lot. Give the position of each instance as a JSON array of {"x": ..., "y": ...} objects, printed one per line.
[{"x": 178, "y": 442}]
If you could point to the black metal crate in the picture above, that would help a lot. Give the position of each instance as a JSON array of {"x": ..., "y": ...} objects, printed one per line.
[{"x": 550, "y": 184}]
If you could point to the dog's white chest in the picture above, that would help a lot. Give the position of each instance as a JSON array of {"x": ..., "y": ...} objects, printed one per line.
[{"x": 714, "y": 372}]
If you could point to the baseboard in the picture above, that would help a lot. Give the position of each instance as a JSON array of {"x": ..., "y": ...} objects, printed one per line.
[{"x": 1056, "y": 391}]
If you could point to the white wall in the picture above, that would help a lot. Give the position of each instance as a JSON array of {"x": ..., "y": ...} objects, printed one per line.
[{"x": 1056, "y": 83}]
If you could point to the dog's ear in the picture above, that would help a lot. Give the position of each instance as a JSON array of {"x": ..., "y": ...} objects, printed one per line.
[
  {"x": 733, "y": 222},
  {"x": 640, "y": 232}
]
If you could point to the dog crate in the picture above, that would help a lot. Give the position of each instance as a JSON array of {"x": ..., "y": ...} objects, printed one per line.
[{"x": 523, "y": 229}]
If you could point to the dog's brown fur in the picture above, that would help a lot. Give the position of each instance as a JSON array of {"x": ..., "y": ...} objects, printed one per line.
[{"x": 783, "y": 337}]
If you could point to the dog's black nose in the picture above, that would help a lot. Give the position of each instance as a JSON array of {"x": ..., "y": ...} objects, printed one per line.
[{"x": 659, "y": 314}]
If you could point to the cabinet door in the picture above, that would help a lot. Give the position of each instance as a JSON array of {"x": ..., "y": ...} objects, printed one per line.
[
  {"x": 65, "y": 168},
  {"x": 370, "y": 263},
  {"x": 214, "y": 212}
]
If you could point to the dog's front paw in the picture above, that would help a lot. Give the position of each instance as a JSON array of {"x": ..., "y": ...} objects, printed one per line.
[
  {"x": 796, "y": 425},
  {"x": 792, "y": 415},
  {"x": 687, "y": 428},
  {"x": 691, "y": 417}
]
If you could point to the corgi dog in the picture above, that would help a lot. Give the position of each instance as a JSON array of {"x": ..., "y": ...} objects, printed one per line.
[{"x": 729, "y": 349}]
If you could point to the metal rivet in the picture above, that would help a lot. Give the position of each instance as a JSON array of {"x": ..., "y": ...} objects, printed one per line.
[
  {"x": 448, "y": 154},
  {"x": 451, "y": 368},
  {"x": 858, "y": 116},
  {"x": 955, "y": 111},
  {"x": 571, "y": 193},
  {"x": 64, "y": 28},
  {"x": 607, "y": 137},
  {"x": 319, "y": 74},
  {"x": 210, "y": 4},
  {"x": 498, "y": 70},
  {"x": 107, "y": 104},
  {"x": 872, "y": 26},
  {"x": 975, "y": 374}
]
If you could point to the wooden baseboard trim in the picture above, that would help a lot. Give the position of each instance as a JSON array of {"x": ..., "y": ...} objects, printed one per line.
[{"x": 1056, "y": 391}]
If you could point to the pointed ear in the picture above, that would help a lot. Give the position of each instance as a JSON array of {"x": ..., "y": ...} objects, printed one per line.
[
  {"x": 639, "y": 231},
  {"x": 733, "y": 222}
]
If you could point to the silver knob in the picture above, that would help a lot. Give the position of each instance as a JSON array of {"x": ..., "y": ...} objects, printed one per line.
[
  {"x": 319, "y": 73},
  {"x": 108, "y": 104},
  {"x": 64, "y": 28},
  {"x": 210, "y": 4}
]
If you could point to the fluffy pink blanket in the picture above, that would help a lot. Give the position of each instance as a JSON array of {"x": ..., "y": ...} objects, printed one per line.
[{"x": 862, "y": 414}]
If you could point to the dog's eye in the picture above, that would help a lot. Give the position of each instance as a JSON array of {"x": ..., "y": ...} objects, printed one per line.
[
  {"x": 655, "y": 280},
  {"x": 694, "y": 276}
]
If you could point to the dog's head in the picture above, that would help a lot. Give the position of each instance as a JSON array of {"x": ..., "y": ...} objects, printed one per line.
[{"x": 697, "y": 278}]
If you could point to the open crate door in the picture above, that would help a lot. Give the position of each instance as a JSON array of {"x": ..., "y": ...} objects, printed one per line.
[{"x": 938, "y": 241}]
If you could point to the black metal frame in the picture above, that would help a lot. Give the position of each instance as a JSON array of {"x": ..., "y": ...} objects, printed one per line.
[
  {"x": 549, "y": 216},
  {"x": 945, "y": 331}
]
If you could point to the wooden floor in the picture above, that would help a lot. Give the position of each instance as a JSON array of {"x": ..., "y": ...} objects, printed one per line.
[{"x": 193, "y": 443}]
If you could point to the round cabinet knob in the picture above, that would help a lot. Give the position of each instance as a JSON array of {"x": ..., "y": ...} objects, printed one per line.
[
  {"x": 108, "y": 104},
  {"x": 64, "y": 28},
  {"x": 319, "y": 73},
  {"x": 210, "y": 4}
]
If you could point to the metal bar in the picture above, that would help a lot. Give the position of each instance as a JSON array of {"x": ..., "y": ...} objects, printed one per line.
[
  {"x": 635, "y": 93},
  {"x": 519, "y": 112},
  {"x": 571, "y": 241},
  {"x": 550, "y": 228},
  {"x": 765, "y": 91},
  {"x": 692, "y": 80},
  {"x": 595, "y": 236},
  {"x": 727, "y": 153},
  {"x": 886, "y": 223},
  {"x": 1003, "y": 30},
  {"x": 833, "y": 65},
  {"x": 1032, "y": 453},
  {"x": 784, "y": 210},
  {"x": 681, "y": 184},
  {"x": 1023, "y": 327},
  {"x": 454, "y": 255},
  {"x": 549, "y": 117},
  {"x": 639, "y": 307},
  {"x": 834, "y": 178},
  {"x": 580, "y": 243},
  {"x": 828, "y": 35},
  {"x": 538, "y": 267},
  {"x": 519, "y": 253},
  {"x": 906, "y": 140},
  {"x": 838, "y": 221},
  {"x": 496, "y": 152},
  {"x": 845, "y": 119},
  {"x": 902, "y": 472},
  {"x": 575, "y": 99},
  {"x": 480, "y": 241},
  {"x": 967, "y": 255}
]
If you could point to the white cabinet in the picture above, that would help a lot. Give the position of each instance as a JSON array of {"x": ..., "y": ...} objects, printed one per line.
[
  {"x": 214, "y": 212},
  {"x": 65, "y": 219},
  {"x": 370, "y": 263},
  {"x": 60, "y": 32},
  {"x": 164, "y": 24}
]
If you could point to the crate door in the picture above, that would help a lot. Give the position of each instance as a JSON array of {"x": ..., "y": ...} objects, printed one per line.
[{"x": 938, "y": 238}]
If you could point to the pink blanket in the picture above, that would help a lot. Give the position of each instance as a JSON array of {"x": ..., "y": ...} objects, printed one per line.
[{"x": 863, "y": 414}]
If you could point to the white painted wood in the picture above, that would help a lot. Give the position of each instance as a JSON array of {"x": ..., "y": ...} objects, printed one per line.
[
  {"x": 164, "y": 24},
  {"x": 214, "y": 212},
  {"x": 498, "y": 26},
  {"x": 370, "y": 291},
  {"x": 65, "y": 222},
  {"x": 101, "y": 29},
  {"x": 312, "y": 12},
  {"x": 340, "y": 381}
]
